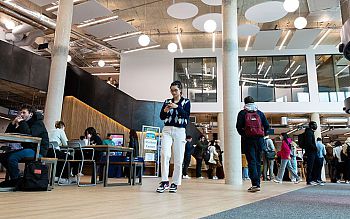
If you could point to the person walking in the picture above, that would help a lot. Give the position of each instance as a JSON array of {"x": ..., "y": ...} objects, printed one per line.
[
  {"x": 321, "y": 153},
  {"x": 175, "y": 113},
  {"x": 198, "y": 155},
  {"x": 187, "y": 157},
  {"x": 252, "y": 125},
  {"x": 346, "y": 156},
  {"x": 310, "y": 152},
  {"x": 268, "y": 159},
  {"x": 284, "y": 153}
]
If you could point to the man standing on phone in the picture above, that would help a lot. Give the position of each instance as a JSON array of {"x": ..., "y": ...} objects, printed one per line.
[{"x": 27, "y": 122}]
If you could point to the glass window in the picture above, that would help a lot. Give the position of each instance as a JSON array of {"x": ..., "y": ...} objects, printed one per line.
[
  {"x": 199, "y": 78},
  {"x": 277, "y": 78},
  {"x": 333, "y": 77}
]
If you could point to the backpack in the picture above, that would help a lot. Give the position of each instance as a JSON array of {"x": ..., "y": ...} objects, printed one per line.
[
  {"x": 35, "y": 178},
  {"x": 253, "y": 126},
  {"x": 301, "y": 140},
  {"x": 293, "y": 149},
  {"x": 206, "y": 155}
]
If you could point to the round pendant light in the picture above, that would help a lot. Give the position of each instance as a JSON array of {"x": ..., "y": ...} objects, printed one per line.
[
  {"x": 101, "y": 63},
  {"x": 248, "y": 30},
  {"x": 144, "y": 40},
  {"x": 266, "y": 12},
  {"x": 69, "y": 58},
  {"x": 210, "y": 26},
  {"x": 9, "y": 24},
  {"x": 212, "y": 2},
  {"x": 172, "y": 47},
  {"x": 199, "y": 21},
  {"x": 291, "y": 5},
  {"x": 300, "y": 23}
]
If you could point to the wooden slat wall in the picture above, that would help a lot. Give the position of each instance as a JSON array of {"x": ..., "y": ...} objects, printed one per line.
[{"x": 78, "y": 116}]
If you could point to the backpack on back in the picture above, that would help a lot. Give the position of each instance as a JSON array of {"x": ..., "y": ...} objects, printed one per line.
[
  {"x": 253, "y": 125},
  {"x": 206, "y": 155},
  {"x": 35, "y": 178}
]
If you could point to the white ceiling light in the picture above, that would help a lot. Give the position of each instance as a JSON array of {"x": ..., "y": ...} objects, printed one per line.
[
  {"x": 210, "y": 26},
  {"x": 98, "y": 21},
  {"x": 179, "y": 42},
  {"x": 143, "y": 48},
  {"x": 261, "y": 67},
  {"x": 248, "y": 29},
  {"x": 101, "y": 63},
  {"x": 199, "y": 21},
  {"x": 291, "y": 5},
  {"x": 284, "y": 40},
  {"x": 265, "y": 12},
  {"x": 322, "y": 38},
  {"x": 172, "y": 47},
  {"x": 248, "y": 42},
  {"x": 122, "y": 36},
  {"x": 69, "y": 58},
  {"x": 144, "y": 40},
  {"x": 300, "y": 23},
  {"x": 9, "y": 24}
]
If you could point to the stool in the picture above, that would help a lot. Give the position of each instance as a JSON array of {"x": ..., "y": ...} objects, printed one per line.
[
  {"x": 53, "y": 164},
  {"x": 135, "y": 165}
]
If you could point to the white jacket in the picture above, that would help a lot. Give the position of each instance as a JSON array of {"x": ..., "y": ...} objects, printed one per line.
[{"x": 213, "y": 152}]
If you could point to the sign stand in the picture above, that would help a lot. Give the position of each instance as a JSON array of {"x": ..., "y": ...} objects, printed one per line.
[{"x": 150, "y": 141}]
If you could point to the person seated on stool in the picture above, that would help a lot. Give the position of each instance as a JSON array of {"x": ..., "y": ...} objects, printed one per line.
[{"x": 29, "y": 122}]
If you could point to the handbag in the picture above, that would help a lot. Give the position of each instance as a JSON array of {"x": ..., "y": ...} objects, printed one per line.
[{"x": 270, "y": 155}]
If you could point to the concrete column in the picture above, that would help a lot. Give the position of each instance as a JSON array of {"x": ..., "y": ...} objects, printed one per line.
[
  {"x": 221, "y": 134},
  {"x": 316, "y": 118},
  {"x": 312, "y": 77},
  {"x": 54, "y": 99},
  {"x": 233, "y": 160}
]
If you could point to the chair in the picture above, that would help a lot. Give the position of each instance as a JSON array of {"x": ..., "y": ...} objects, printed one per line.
[{"x": 73, "y": 147}]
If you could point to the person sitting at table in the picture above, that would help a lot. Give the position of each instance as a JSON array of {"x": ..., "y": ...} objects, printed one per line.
[
  {"x": 29, "y": 122},
  {"x": 109, "y": 140},
  {"x": 58, "y": 135},
  {"x": 91, "y": 138}
]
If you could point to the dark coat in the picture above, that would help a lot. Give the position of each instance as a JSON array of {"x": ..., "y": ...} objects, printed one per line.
[
  {"x": 34, "y": 127},
  {"x": 134, "y": 143},
  {"x": 310, "y": 141}
]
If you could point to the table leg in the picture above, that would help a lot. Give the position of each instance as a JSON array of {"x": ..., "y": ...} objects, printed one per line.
[
  {"x": 105, "y": 179},
  {"x": 37, "y": 152},
  {"x": 131, "y": 174}
]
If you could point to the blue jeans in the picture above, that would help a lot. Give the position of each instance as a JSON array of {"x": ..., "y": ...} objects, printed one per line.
[
  {"x": 12, "y": 161},
  {"x": 245, "y": 174},
  {"x": 253, "y": 149},
  {"x": 286, "y": 163},
  {"x": 294, "y": 164}
]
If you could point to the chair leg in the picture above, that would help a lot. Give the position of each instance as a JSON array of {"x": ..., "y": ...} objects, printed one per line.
[{"x": 53, "y": 174}]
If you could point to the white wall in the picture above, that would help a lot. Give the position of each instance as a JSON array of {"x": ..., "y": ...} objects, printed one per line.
[{"x": 146, "y": 75}]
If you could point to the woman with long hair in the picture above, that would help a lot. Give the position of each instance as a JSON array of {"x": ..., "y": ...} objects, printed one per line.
[
  {"x": 175, "y": 113},
  {"x": 285, "y": 153}
]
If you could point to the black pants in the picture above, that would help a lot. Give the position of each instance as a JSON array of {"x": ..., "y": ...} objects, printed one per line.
[
  {"x": 186, "y": 163},
  {"x": 347, "y": 169},
  {"x": 310, "y": 162},
  {"x": 199, "y": 167},
  {"x": 253, "y": 149},
  {"x": 317, "y": 169}
]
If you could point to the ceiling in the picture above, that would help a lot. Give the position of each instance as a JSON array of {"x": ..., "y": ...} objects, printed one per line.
[{"x": 151, "y": 18}]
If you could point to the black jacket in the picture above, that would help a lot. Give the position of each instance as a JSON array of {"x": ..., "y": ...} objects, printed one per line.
[
  {"x": 310, "y": 141},
  {"x": 34, "y": 127},
  {"x": 134, "y": 143}
]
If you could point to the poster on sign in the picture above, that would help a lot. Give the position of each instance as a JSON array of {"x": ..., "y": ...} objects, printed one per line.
[{"x": 150, "y": 144}]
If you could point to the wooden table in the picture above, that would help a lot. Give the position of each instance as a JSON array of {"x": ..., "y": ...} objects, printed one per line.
[
  {"x": 108, "y": 149},
  {"x": 13, "y": 137}
]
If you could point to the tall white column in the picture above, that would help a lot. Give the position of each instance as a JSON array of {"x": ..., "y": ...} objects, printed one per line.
[
  {"x": 312, "y": 77},
  {"x": 54, "y": 99},
  {"x": 233, "y": 160},
  {"x": 221, "y": 134},
  {"x": 316, "y": 118}
]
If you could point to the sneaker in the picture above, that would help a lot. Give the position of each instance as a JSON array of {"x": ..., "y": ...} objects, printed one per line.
[
  {"x": 277, "y": 181},
  {"x": 163, "y": 186},
  {"x": 312, "y": 183},
  {"x": 201, "y": 177},
  {"x": 347, "y": 182},
  {"x": 186, "y": 177},
  {"x": 63, "y": 181},
  {"x": 297, "y": 181},
  {"x": 254, "y": 189},
  {"x": 73, "y": 180},
  {"x": 215, "y": 177},
  {"x": 338, "y": 181},
  {"x": 173, "y": 188}
]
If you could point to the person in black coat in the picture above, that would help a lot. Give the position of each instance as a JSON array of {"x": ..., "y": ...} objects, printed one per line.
[
  {"x": 134, "y": 142},
  {"x": 31, "y": 123},
  {"x": 310, "y": 151}
]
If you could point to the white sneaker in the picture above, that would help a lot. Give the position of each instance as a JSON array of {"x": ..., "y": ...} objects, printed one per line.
[
  {"x": 277, "y": 181},
  {"x": 215, "y": 177},
  {"x": 200, "y": 177},
  {"x": 63, "y": 181},
  {"x": 186, "y": 177},
  {"x": 347, "y": 182},
  {"x": 73, "y": 179}
]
